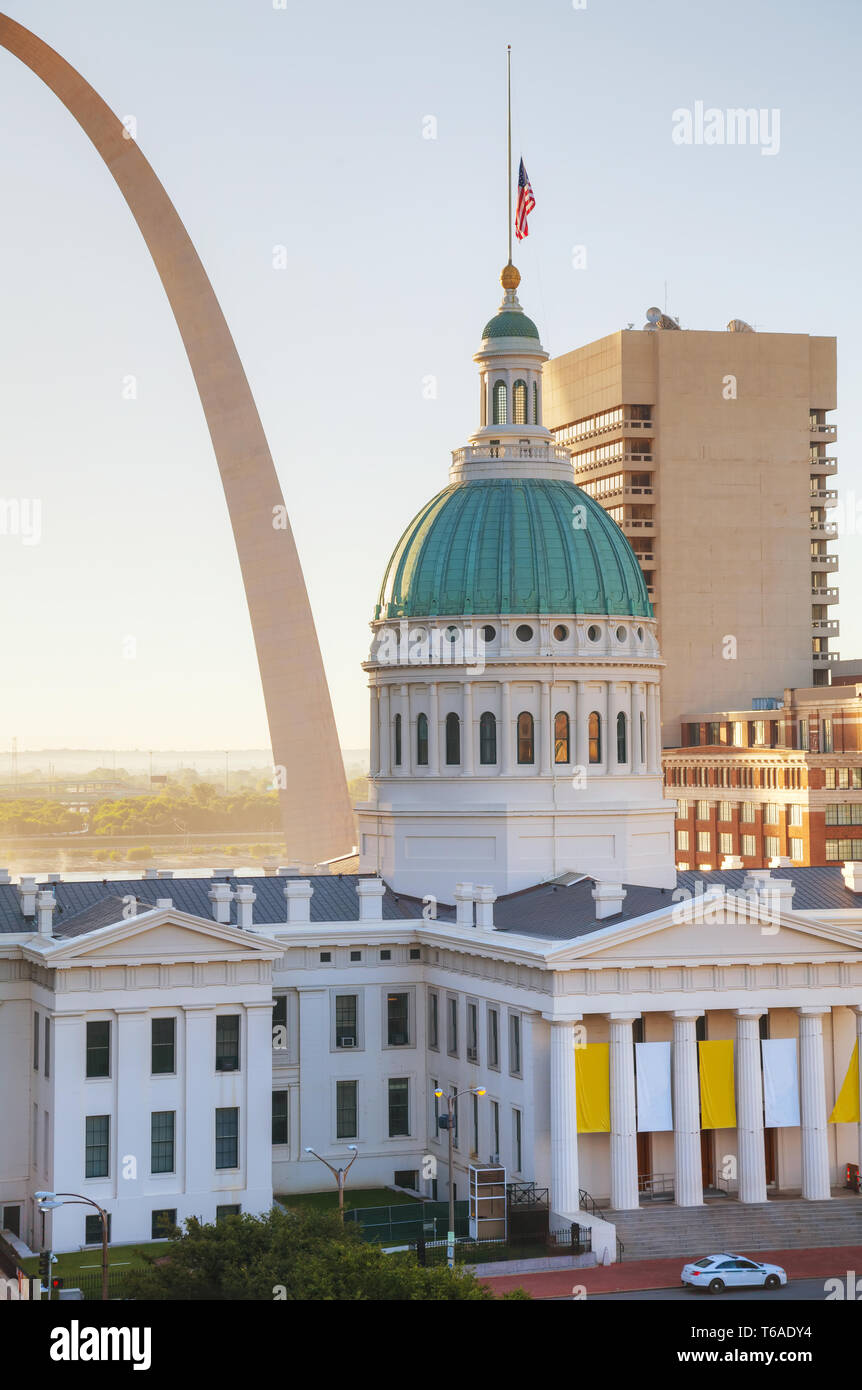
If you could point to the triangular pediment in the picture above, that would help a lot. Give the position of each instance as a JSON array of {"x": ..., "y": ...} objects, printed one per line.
[{"x": 164, "y": 935}]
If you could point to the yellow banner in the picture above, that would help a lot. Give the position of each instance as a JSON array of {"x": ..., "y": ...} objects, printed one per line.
[
  {"x": 846, "y": 1110},
  {"x": 717, "y": 1101},
  {"x": 593, "y": 1088}
]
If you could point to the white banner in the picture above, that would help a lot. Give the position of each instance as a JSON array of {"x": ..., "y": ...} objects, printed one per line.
[
  {"x": 780, "y": 1082},
  {"x": 653, "y": 1086}
]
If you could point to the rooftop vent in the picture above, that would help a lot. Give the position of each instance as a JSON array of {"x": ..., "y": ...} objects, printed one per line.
[{"x": 739, "y": 326}]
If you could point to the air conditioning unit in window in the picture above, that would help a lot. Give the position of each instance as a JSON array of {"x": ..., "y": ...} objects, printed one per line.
[{"x": 347, "y": 1041}]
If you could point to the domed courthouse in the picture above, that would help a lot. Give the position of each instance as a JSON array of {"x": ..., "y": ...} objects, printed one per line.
[{"x": 514, "y": 667}]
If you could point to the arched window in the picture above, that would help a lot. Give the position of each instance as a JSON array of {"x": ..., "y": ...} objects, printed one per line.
[
  {"x": 622, "y": 739},
  {"x": 422, "y": 740},
  {"x": 561, "y": 737},
  {"x": 398, "y": 740},
  {"x": 487, "y": 738},
  {"x": 500, "y": 404},
  {"x": 525, "y": 738},
  {"x": 519, "y": 403},
  {"x": 643, "y": 737},
  {"x": 535, "y": 403},
  {"x": 453, "y": 739},
  {"x": 595, "y": 737}
]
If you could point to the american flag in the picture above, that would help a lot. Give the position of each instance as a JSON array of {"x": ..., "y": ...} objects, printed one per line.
[{"x": 526, "y": 203}]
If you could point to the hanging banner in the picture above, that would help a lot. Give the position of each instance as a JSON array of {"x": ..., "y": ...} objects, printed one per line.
[
  {"x": 780, "y": 1082},
  {"x": 717, "y": 1096},
  {"x": 593, "y": 1088},
  {"x": 846, "y": 1111},
  {"x": 652, "y": 1064}
]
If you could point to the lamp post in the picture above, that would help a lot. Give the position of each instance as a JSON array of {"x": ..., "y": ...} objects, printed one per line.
[
  {"x": 447, "y": 1122},
  {"x": 49, "y": 1200},
  {"x": 340, "y": 1174}
]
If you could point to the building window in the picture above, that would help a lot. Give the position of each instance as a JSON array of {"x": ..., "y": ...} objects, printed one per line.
[
  {"x": 494, "y": 1039},
  {"x": 770, "y": 813},
  {"x": 748, "y": 812},
  {"x": 222, "y": 1213},
  {"x": 93, "y": 1229},
  {"x": 622, "y": 738},
  {"x": 474, "y": 1147},
  {"x": 802, "y": 734},
  {"x": 682, "y": 809},
  {"x": 398, "y": 1020},
  {"x": 713, "y": 732},
  {"x": 682, "y": 839},
  {"x": 97, "y": 1134},
  {"x": 472, "y": 1032},
  {"x": 771, "y": 846},
  {"x": 398, "y": 740},
  {"x": 163, "y": 1037},
  {"x": 525, "y": 738},
  {"x": 561, "y": 737},
  {"x": 495, "y": 1131},
  {"x": 594, "y": 727},
  {"x": 725, "y": 844},
  {"x": 399, "y": 1107},
  {"x": 346, "y": 1020},
  {"x": 487, "y": 739},
  {"x": 163, "y": 1222},
  {"x": 519, "y": 403},
  {"x": 725, "y": 811},
  {"x": 162, "y": 1134},
  {"x": 452, "y": 1026},
  {"x": 345, "y": 1109},
  {"x": 844, "y": 849},
  {"x": 98, "y": 1049},
  {"x": 642, "y": 722},
  {"x": 514, "y": 1045},
  {"x": 749, "y": 846},
  {"x": 35, "y": 1042},
  {"x": 797, "y": 849},
  {"x": 703, "y": 810},
  {"x": 535, "y": 403},
  {"x": 279, "y": 1117},
  {"x": 227, "y": 1137},
  {"x": 739, "y": 740},
  {"x": 433, "y": 1020},
  {"x": 794, "y": 815},
  {"x": 47, "y": 1058},
  {"x": 227, "y": 1042},
  {"x": 827, "y": 737},
  {"x": 516, "y": 1140},
  {"x": 704, "y": 841},
  {"x": 422, "y": 740},
  {"x": 843, "y": 813},
  {"x": 500, "y": 404},
  {"x": 453, "y": 740}
]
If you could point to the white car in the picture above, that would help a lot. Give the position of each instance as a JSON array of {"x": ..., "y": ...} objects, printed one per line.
[{"x": 719, "y": 1272}]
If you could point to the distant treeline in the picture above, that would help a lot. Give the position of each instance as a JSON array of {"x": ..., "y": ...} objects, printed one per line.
[{"x": 201, "y": 810}]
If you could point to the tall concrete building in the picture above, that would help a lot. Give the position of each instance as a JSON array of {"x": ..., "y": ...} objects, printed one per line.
[{"x": 712, "y": 451}]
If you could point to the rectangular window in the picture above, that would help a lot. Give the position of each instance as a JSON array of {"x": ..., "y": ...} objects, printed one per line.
[
  {"x": 163, "y": 1046},
  {"x": 771, "y": 846},
  {"x": 738, "y": 734},
  {"x": 345, "y": 1109},
  {"x": 227, "y": 1137},
  {"x": 516, "y": 1139},
  {"x": 279, "y": 1014},
  {"x": 760, "y": 731},
  {"x": 749, "y": 846},
  {"x": 747, "y": 812},
  {"x": 35, "y": 1137},
  {"x": 93, "y": 1229},
  {"x": 47, "y": 1046},
  {"x": 346, "y": 1024},
  {"x": 398, "y": 1020},
  {"x": 725, "y": 811},
  {"x": 472, "y": 1032},
  {"x": 433, "y": 1020},
  {"x": 494, "y": 1039},
  {"x": 97, "y": 1134},
  {"x": 703, "y": 810},
  {"x": 682, "y": 839},
  {"x": 474, "y": 1149},
  {"x": 682, "y": 809},
  {"x": 514, "y": 1044},
  {"x": 98, "y": 1049},
  {"x": 725, "y": 844},
  {"x": 452, "y": 1026},
  {"x": 162, "y": 1134},
  {"x": 844, "y": 849},
  {"x": 797, "y": 850},
  {"x": 495, "y": 1131},
  {"x": 827, "y": 737},
  {"x": 844, "y": 778},
  {"x": 771, "y": 814},
  {"x": 222, "y": 1213},
  {"x": 163, "y": 1222},
  {"x": 227, "y": 1042},
  {"x": 279, "y": 1117},
  {"x": 35, "y": 1042},
  {"x": 704, "y": 841},
  {"x": 399, "y": 1108},
  {"x": 802, "y": 733},
  {"x": 794, "y": 815},
  {"x": 830, "y": 779}
]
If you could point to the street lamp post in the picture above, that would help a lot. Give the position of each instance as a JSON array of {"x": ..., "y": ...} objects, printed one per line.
[
  {"x": 449, "y": 1124},
  {"x": 340, "y": 1174},
  {"x": 49, "y": 1200}
]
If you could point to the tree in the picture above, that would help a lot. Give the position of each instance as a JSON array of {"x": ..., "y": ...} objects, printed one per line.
[{"x": 292, "y": 1256}]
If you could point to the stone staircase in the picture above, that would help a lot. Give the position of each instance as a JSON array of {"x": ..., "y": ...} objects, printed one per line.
[{"x": 657, "y": 1231}]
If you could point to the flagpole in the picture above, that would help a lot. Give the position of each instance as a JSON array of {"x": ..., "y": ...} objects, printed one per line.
[{"x": 509, "y": 89}]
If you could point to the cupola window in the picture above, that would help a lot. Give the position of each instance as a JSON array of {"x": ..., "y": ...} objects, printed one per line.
[
  {"x": 519, "y": 403},
  {"x": 595, "y": 736},
  {"x": 501, "y": 404},
  {"x": 398, "y": 740},
  {"x": 561, "y": 737},
  {"x": 422, "y": 740},
  {"x": 526, "y": 750},
  {"x": 487, "y": 739},
  {"x": 535, "y": 403},
  {"x": 622, "y": 738},
  {"x": 453, "y": 740},
  {"x": 643, "y": 736}
]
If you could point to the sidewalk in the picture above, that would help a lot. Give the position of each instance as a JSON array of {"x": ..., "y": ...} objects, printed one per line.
[{"x": 664, "y": 1274}]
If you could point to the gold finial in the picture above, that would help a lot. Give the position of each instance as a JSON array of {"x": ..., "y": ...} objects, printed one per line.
[{"x": 510, "y": 277}]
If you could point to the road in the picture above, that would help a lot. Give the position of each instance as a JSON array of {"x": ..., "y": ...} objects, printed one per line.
[{"x": 798, "y": 1290}]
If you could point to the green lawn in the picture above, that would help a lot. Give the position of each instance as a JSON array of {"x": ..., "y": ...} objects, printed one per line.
[
  {"x": 120, "y": 1258},
  {"x": 356, "y": 1197}
]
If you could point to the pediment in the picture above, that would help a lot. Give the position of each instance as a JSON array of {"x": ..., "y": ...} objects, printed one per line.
[{"x": 165, "y": 936}]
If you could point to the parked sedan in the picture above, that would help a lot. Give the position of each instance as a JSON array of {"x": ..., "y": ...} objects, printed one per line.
[{"x": 719, "y": 1272}]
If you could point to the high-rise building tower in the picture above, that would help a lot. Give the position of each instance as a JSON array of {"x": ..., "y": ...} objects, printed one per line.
[{"x": 712, "y": 451}]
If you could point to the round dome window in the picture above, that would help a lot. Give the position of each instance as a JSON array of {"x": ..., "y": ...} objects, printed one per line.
[
  {"x": 451, "y": 634},
  {"x": 489, "y": 633},
  {"x": 524, "y": 632},
  {"x": 594, "y": 633},
  {"x": 561, "y": 632},
  {"x": 640, "y": 634},
  {"x": 621, "y": 634}
]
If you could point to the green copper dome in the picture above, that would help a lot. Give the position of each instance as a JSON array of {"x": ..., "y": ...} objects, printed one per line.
[
  {"x": 508, "y": 545},
  {"x": 510, "y": 325}
]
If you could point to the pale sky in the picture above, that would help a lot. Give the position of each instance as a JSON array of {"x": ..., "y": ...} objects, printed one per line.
[{"x": 303, "y": 127}]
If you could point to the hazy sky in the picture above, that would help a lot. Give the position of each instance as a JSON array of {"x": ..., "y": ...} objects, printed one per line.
[{"x": 303, "y": 127}]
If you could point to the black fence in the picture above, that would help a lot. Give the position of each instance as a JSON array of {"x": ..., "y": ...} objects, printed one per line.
[
  {"x": 570, "y": 1240},
  {"x": 408, "y": 1223}
]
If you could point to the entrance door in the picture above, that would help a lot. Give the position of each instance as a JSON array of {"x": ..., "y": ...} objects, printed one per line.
[
  {"x": 643, "y": 1159},
  {"x": 707, "y": 1158},
  {"x": 769, "y": 1148}
]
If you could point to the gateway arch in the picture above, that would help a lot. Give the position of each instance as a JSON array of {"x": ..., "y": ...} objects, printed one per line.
[{"x": 316, "y": 812}]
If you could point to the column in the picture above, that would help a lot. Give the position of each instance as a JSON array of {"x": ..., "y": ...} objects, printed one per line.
[
  {"x": 504, "y": 752},
  {"x": 384, "y": 746},
  {"x": 197, "y": 1052},
  {"x": 433, "y": 729},
  {"x": 467, "y": 734},
  {"x": 374, "y": 760},
  {"x": 749, "y": 1107},
  {"x": 603, "y": 705},
  {"x": 131, "y": 1130},
  {"x": 582, "y": 714},
  {"x": 546, "y": 731},
  {"x": 565, "y": 1183},
  {"x": 857, "y": 1009},
  {"x": 653, "y": 731},
  {"x": 688, "y": 1170},
  {"x": 406, "y": 734},
  {"x": 639, "y": 708},
  {"x": 624, "y": 1143},
  {"x": 257, "y": 1119},
  {"x": 815, "y": 1151}
]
